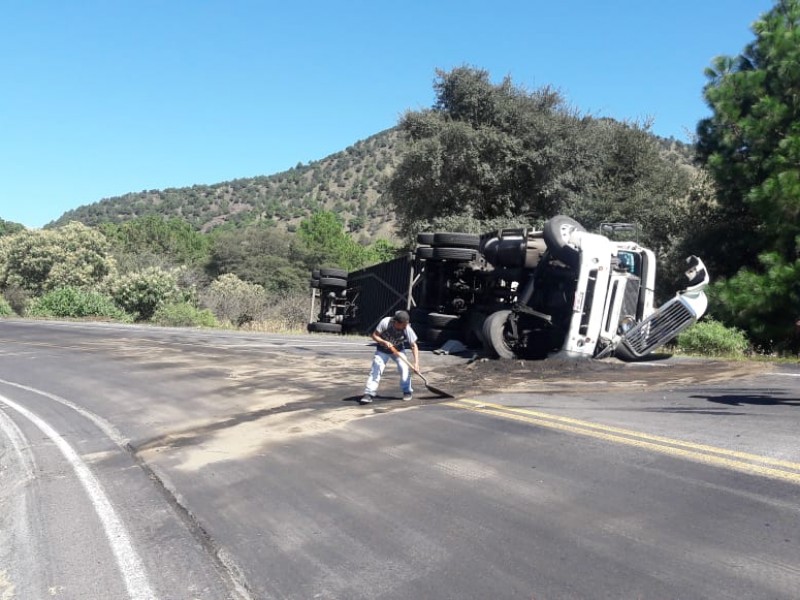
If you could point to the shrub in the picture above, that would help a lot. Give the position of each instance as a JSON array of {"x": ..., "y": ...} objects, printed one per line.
[
  {"x": 290, "y": 310},
  {"x": 42, "y": 260},
  {"x": 712, "y": 338},
  {"x": 5, "y": 308},
  {"x": 142, "y": 293},
  {"x": 183, "y": 314},
  {"x": 74, "y": 302},
  {"x": 18, "y": 298},
  {"x": 236, "y": 301}
]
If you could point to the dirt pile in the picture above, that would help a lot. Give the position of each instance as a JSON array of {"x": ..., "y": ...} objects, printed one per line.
[{"x": 559, "y": 375}]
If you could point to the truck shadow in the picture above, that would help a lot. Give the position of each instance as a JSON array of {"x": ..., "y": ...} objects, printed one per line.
[{"x": 751, "y": 399}]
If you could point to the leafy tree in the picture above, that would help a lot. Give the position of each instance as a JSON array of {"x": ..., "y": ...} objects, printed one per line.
[
  {"x": 42, "y": 260},
  {"x": 173, "y": 239},
  {"x": 631, "y": 180},
  {"x": 263, "y": 255},
  {"x": 383, "y": 250},
  {"x": 499, "y": 152},
  {"x": 767, "y": 302},
  {"x": 327, "y": 243},
  {"x": 751, "y": 146},
  {"x": 9, "y": 227},
  {"x": 143, "y": 293}
]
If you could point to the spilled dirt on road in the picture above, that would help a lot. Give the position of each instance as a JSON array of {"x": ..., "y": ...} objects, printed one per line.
[
  {"x": 238, "y": 404},
  {"x": 575, "y": 376}
]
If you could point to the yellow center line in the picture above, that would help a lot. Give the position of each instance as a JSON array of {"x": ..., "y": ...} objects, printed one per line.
[{"x": 660, "y": 444}]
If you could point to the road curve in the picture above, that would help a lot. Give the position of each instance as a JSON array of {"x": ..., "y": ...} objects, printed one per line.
[{"x": 146, "y": 462}]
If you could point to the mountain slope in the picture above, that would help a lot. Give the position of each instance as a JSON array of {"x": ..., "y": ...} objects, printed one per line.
[{"x": 350, "y": 182}]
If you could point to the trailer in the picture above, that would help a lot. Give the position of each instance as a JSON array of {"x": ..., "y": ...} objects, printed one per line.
[{"x": 519, "y": 293}]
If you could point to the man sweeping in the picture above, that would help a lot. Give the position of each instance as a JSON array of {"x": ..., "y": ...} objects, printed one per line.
[{"x": 392, "y": 335}]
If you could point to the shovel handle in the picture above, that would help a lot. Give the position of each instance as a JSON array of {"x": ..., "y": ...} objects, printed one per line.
[{"x": 399, "y": 354}]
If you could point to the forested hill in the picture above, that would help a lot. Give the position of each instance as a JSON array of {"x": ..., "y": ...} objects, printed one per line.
[{"x": 349, "y": 183}]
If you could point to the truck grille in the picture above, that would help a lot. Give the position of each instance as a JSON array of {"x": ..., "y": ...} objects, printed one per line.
[{"x": 659, "y": 328}]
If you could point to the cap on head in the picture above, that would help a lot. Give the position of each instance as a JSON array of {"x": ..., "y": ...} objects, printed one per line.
[{"x": 401, "y": 316}]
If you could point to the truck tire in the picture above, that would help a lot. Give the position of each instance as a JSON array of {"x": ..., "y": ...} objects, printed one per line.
[
  {"x": 455, "y": 254},
  {"x": 556, "y": 235},
  {"x": 320, "y": 327},
  {"x": 425, "y": 252},
  {"x": 456, "y": 240},
  {"x": 332, "y": 272},
  {"x": 425, "y": 238},
  {"x": 436, "y": 337},
  {"x": 332, "y": 282},
  {"x": 497, "y": 335},
  {"x": 419, "y": 318},
  {"x": 443, "y": 321}
]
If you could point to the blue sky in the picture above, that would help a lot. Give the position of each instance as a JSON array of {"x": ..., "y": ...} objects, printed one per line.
[{"x": 105, "y": 97}]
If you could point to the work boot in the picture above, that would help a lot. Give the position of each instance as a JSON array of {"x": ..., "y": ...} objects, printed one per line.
[{"x": 367, "y": 399}]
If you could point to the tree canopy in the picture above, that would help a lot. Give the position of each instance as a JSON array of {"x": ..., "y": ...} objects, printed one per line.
[
  {"x": 500, "y": 151},
  {"x": 9, "y": 227},
  {"x": 42, "y": 260},
  {"x": 172, "y": 239},
  {"x": 751, "y": 146}
]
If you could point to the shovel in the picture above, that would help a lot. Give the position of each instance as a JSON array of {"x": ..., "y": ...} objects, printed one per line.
[{"x": 430, "y": 388}]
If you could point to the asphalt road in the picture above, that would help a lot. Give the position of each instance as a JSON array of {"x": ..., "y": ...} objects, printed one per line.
[{"x": 162, "y": 463}]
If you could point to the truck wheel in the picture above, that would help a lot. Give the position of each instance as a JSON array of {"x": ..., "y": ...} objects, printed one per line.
[
  {"x": 425, "y": 238},
  {"x": 556, "y": 235},
  {"x": 443, "y": 321},
  {"x": 333, "y": 272},
  {"x": 455, "y": 254},
  {"x": 321, "y": 327},
  {"x": 436, "y": 337},
  {"x": 497, "y": 334},
  {"x": 332, "y": 282},
  {"x": 424, "y": 252},
  {"x": 456, "y": 240}
]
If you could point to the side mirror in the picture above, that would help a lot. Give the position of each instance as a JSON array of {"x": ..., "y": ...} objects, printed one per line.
[{"x": 697, "y": 274}]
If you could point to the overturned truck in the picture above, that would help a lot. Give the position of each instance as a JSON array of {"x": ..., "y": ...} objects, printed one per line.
[{"x": 517, "y": 293}]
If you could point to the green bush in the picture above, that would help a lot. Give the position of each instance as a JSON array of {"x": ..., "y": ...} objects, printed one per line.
[
  {"x": 183, "y": 314},
  {"x": 236, "y": 301},
  {"x": 43, "y": 260},
  {"x": 142, "y": 293},
  {"x": 712, "y": 338},
  {"x": 74, "y": 302},
  {"x": 5, "y": 308}
]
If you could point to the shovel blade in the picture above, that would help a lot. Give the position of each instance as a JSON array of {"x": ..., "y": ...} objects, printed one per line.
[{"x": 438, "y": 392}]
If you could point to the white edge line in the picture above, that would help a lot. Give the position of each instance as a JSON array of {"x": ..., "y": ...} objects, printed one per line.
[
  {"x": 106, "y": 427},
  {"x": 130, "y": 565},
  {"x": 19, "y": 443}
]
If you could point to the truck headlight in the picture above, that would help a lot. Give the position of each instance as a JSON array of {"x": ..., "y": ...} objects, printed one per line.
[{"x": 625, "y": 324}]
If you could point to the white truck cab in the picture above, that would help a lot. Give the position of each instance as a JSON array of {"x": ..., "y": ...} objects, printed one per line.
[{"x": 592, "y": 298}]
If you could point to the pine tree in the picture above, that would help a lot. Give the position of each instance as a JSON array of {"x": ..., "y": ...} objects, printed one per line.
[{"x": 751, "y": 146}]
